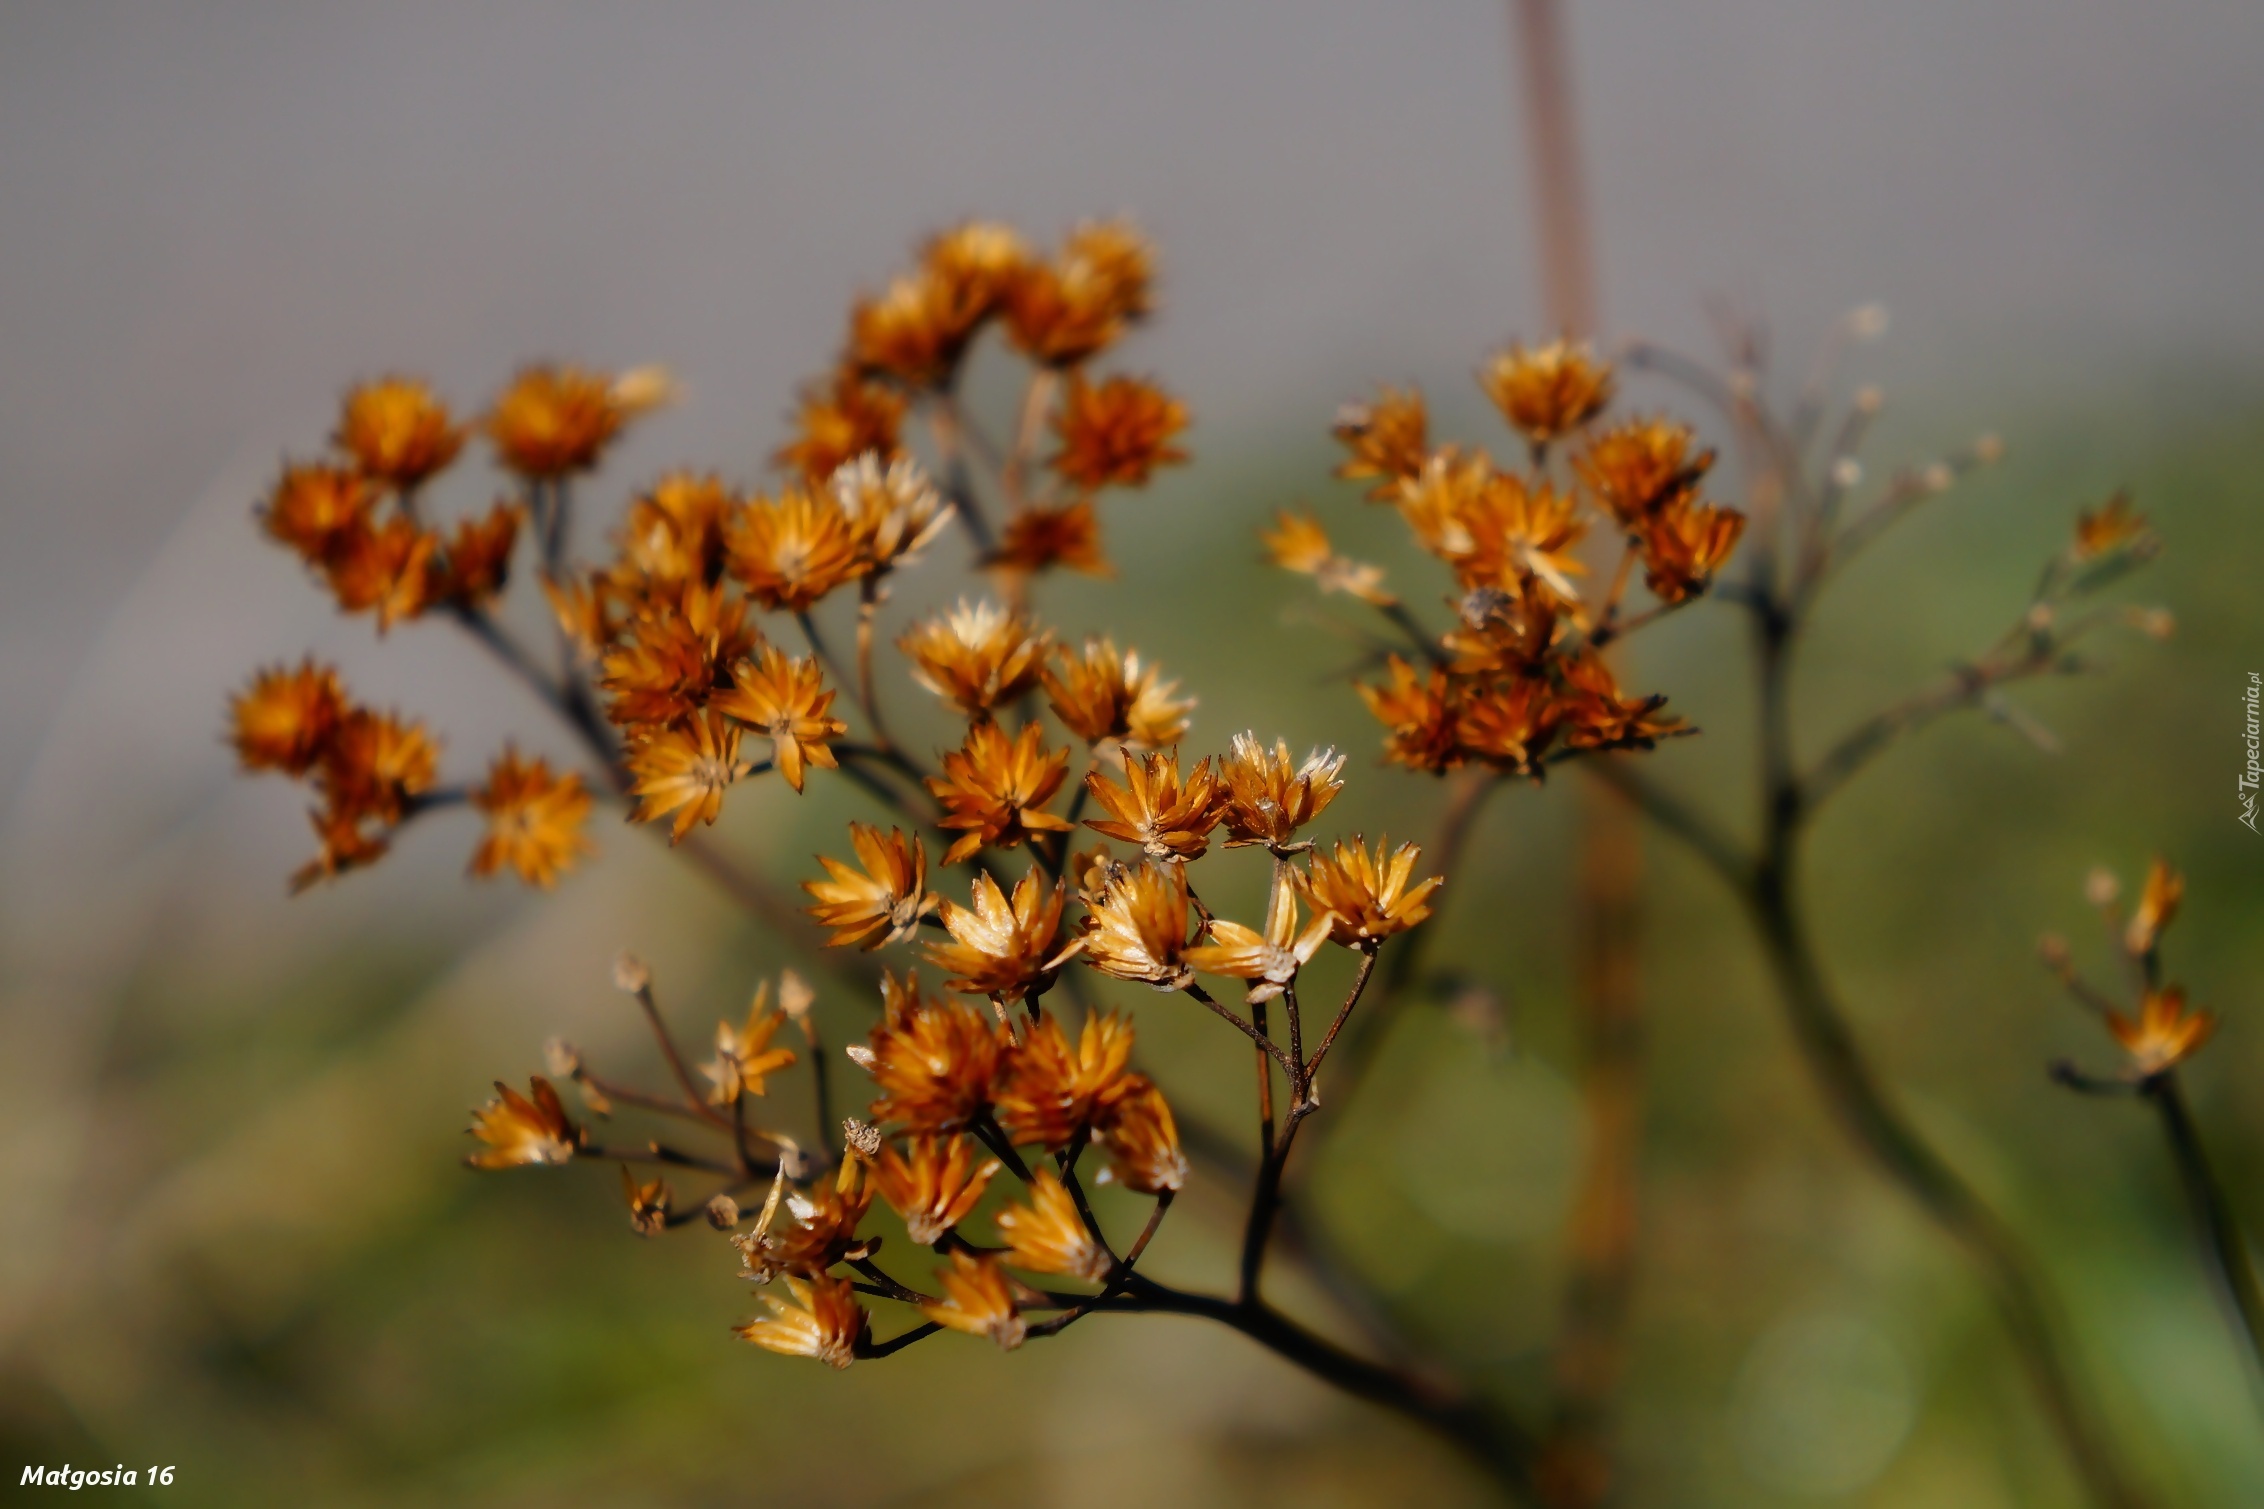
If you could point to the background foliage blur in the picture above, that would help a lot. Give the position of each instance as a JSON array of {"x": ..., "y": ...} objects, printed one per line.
[{"x": 238, "y": 1240}]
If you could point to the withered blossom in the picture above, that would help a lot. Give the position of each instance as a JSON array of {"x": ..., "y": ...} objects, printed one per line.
[
  {"x": 934, "y": 1062},
  {"x": 398, "y": 432},
  {"x": 977, "y": 1299},
  {"x": 934, "y": 1183},
  {"x": 743, "y": 1055},
  {"x": 792, "y": 550},
  {"x": 1043, "y": 536},
  {"x": 1388, "y": 440},
  {"x": 786, "y": 701},
  {"x": 523, "y": 1130},
  {"x": 885, "y": 901},
  {"x": 976, "y": 657},
  {"x": 1269, "y": 796},
  {"x": 2164, "y": 1033},
  {"x": 1364, "y": 892},
  {"x": 1142, "y": 1141},
  {"x": 685, "y": 771},
  {"x": 1099, "y": 694},
  {"x": 1053, "y": 1093},
  {"x": 1168, "y": 816},
  {"x": 819, "y": 1318},
  {"x": 995, "y": 789},
  {"x": 1269, "y": 960},
  {"x": 1547, "y": 392},
  {"x": 534, "y": 819},
  {"x": 998, "y": 947},
  {"x": 1115, "y": 433},
  {"x": 1137, "y": 928},
  {"x": 1046, "y": 1235}
]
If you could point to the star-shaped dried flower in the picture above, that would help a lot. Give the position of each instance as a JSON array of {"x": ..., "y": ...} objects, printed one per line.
[
  {"x": 377, "y": 763},
  {"x": 933, "y": 1186},
  {"x": 1268, "y": 960},
  {"x": 978, "y": 1299},
  {"x": 1043, "y": 536},
  {"x": 398, "y": 432},
  {"x": 1269, "y": 796},
  {"x": 554, "y": 421},
  {"x": 976, "y": 657},
  {"x": 1547, "y": 392},
  {"x": 1048, "y": 1236},
  {"x": 311, "y": 508},
  {"x": 473, "y": 563},
  {"x": 1001, "y": 948},
  {"x": 648, "y": 1203},
  {"x": 385, "y": 567},
  {"x": 1054, "y": 1094},
  {"x": 934, "y": 1062},
  {"x": 1062, "y": 312},
  {"x": 1592, "y": 713},
  {"x": 1142, "y": 1141},
  {"x": 534, "y": 819},
  {"x": 972, "y": 269},
  {"x": 685, "y": 771},
  {"x": 1099, "y": 694},
  {"x": 286, "y": 718},
  {"x": 673, "y": 532},
  {"x": 1684, "y": 544},
  {"x": 2114, "y": 525},
  {"x": 787, "y": 702},
  {"x": 1366, "y": 894},
  {"x": 520, "y": 1131},
  {"x": 743, "y": 1055},
  {"x": 1168, "y": 817},
  {"x": 1520, "y": 533},
  {"x": 820, "y": 1319},
  {"x": 1418, "y": 710},
  {"x": 671, "y": 662},
  {"x": 792, "y": 550},
  {"x": 1137, "y": 928},
  {"x": 1510, "y": 722},
  {"x": 840, "y": 418},
  {"x": 1638, "y": 467},
  {"x": 2165, "y": 1034},
  {"x": 894, "y": 512},
  {"x": 885, "y": 901},
  {"x": 1115, "y": 433},
  {"x": 903, "y": 334},
  {"x": 996, "y": 788},
  {"x": 1388, "y": 440}
]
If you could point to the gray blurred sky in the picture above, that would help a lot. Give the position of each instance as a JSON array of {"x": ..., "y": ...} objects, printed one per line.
[{"x": 213, "y": 216}]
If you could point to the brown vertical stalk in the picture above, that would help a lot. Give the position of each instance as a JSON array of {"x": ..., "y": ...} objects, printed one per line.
[{"x": 1608, "y": 917}]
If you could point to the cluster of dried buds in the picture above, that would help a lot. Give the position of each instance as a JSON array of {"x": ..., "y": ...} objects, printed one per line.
[{"x": 1519, "y": 680}]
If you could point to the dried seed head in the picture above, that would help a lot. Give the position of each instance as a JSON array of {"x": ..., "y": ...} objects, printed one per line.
[
  {"x": 862, "y": 1137},
  {"x": 861, "y": 1056},
  {"x": 2100, "y": 887},
  {"x": 631, "y": 975},
  {"x": 561, "y": 1058},
  {"x": 795, "y": 995}
]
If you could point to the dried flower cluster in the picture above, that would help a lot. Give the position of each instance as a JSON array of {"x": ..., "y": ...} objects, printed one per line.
[{"x": 1520, "y": 681}]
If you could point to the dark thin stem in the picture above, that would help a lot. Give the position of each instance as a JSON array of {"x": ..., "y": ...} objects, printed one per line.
[
  {"x": 656, "y": 1153},
  {"x": 1426, "y": 644},
  {"x": 2226, "y": 1251},
  {"x": 987, "y": 1131},
  {"x": 888, "y": 1286},
  {"x": 692, "y": 1096},
  {"x": 1723, "y": 853},
  {"x": 1265, "y": 1082},
  {"x": 644, "y": 1099},
  {"x": 1328, "y": 1040},
  {"x": 898, "y": 1343},
  {"x": 1265, "y": 1044},
  {"x": 868, "y": 607}
]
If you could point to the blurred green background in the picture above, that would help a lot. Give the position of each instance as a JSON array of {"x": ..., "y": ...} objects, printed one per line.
[{"x": 240, "y": 1241}]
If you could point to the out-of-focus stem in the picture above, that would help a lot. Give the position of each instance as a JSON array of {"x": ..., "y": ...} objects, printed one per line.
[{"x": 2222, "y": 1245}]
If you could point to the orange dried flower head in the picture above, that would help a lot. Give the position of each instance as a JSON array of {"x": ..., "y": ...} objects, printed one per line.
[
  {"x": 976, "y": 657},
  {"x": 978, "y": 1299},
  {"x": 1043, "y": 536},
  {"x": 1521, "y": 534},
  {"x": 1115, "y": 433},
  {"x": 674, "y": 659},
  {"x": 1142, "y": 1142},
  {"x": 286, "y": 718},
  {"x": 1136, "y": 929},
  {"x": 1100, "y": 694},
  {"x": 2165, "y": 1034},
  {"x": 1510, "y": 723},
  {"x": 312, "y": 508},
  {"x": 1055, "y": 1094},
  {"x": 1636, "y": 468},
  {"x": 2157, "y": 905},
  {"x": 398, "y": 432},
  {"x": 995, "y": 789},
  {"x": 839, "y": 419},
  {"x": 1593, "y": 714},
  {"x": 885, "y": 901},
  {"x": 382, "y": 566},
  {"x": 534, "y": 820},
  {"x": 1001, "y": 948},
  {"x": 1547, "y": 392},
  {"x": 972, "y": 269},
  {"x": 1298, "y": 543},
  {"x": 1684, "y": 544},
  {"x": 1388, "y": 440},
  {"x": 901, "y": 334},
  {"x": 1169, "y": 818},
  {"x": 344, "y": 842},
  {"x": 554, "y": 421},
  {"x": 1366, "y": 894},
  {"x": 792, "y": 550},
  {"x": 685, "y": 771},
  {"x": 475, "y": 561},
  {"x": 673, "y": 533},
  {"x": 1269, "y": 960},
  {"x": 1418, "y": 709},
  {"x": 894, "y": 512},
  {"x": 1269, "y": 796},
  {"x": 1064, "y": 311},
  {"x": 377, "y": 763},
  {"x": 743, "y": 1055},
  {"x": 935, "y": 1187},
  {"x": 2113, "y": 526},
  {"x": 820, "y": 1319},
  {"x": 934, "y": 1062},
  {"x": 522, "y": 1130},
  {"x": 1436, "y": 501},
  {"x": 1048, "y": 1236},
  {"x": 786, "y": 701},
  {"x": 648, "y": 1203}
]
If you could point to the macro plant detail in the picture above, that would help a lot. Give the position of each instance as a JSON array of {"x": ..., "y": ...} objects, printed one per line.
[{"x": 1004, "y": 890}]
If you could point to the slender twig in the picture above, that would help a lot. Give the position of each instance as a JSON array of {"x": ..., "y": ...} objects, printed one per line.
[
  {"x": 1343, "y": 1013},
  {"x": 2231, "y": 1267},
  {"x": 676, "y": 1066},
  {"x": 895, "y": 1344},
  {"x": 1265, "y": 1044}
]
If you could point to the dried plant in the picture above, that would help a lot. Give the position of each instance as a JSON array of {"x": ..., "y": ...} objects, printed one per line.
[{"x": 669, "y": 670}]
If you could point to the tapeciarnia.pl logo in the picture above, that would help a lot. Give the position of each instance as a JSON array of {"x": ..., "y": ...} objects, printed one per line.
[{"x": 2254, "y": 771}]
